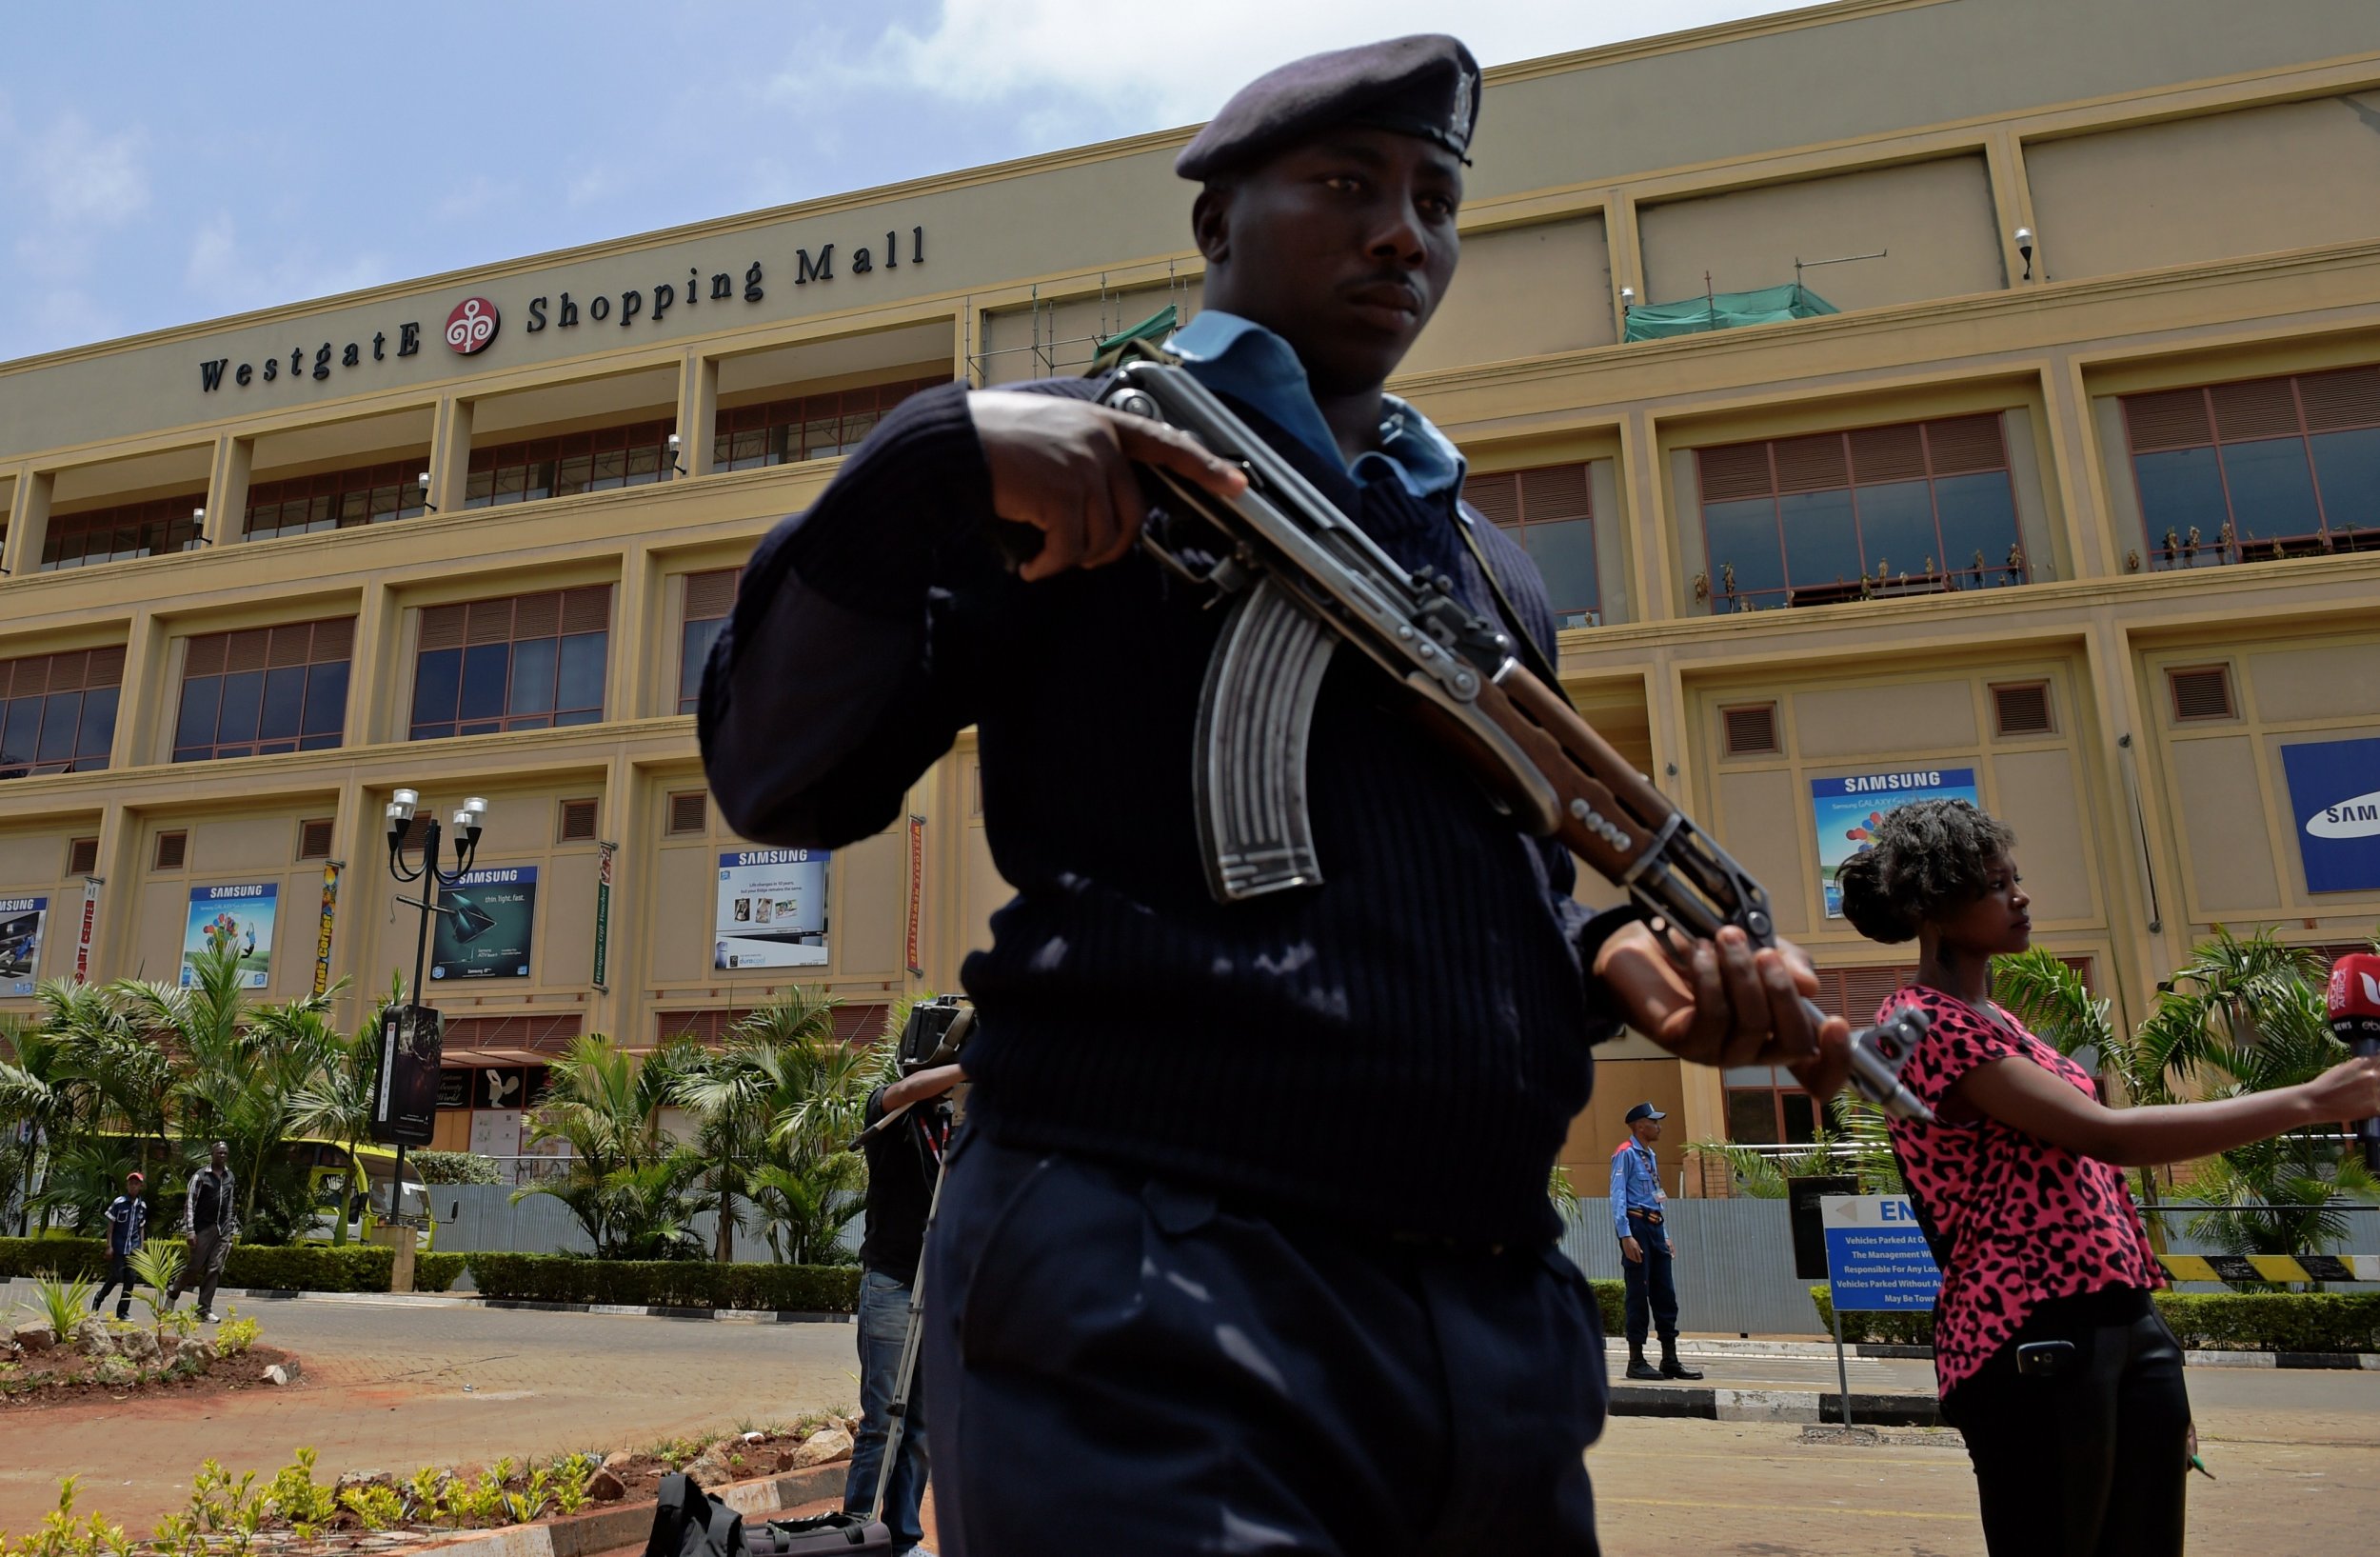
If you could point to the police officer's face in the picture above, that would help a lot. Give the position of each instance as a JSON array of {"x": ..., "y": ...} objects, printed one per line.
[
  {"x": 1343, "y": 246},
  {"x": 1648, "y": 1130}
]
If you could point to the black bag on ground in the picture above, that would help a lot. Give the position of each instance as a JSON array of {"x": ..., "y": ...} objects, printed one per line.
[{"x": 688, "y": 1522}]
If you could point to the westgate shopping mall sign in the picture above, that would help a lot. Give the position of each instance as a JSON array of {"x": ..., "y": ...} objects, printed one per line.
[{"x": 475, "y": 322}]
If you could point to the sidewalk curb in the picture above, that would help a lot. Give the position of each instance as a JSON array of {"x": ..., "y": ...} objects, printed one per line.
[
  {"x": 465, "y": 1300},
  {"x": 1809, "y": 1405},
  {"x": 2347, "y": 1360},
  {"x": 607, "y": 1529}
]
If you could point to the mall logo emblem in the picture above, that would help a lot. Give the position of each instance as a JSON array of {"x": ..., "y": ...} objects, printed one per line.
[{"x": 472, "y": 325}]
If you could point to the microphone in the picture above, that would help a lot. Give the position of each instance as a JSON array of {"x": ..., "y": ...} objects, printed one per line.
[{"x": 2353, "y": 1002}]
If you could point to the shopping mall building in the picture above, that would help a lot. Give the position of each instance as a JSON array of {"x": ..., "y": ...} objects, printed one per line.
[{"x": 2044, "y": 467}]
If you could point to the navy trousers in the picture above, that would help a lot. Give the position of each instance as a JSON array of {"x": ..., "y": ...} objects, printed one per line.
[
  {"x": 1123, "y": 1364},
  {"x": 1650, "y": 1285}
]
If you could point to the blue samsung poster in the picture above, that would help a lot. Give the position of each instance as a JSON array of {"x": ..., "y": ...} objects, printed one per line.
[{"x": 2334, "y": 800}]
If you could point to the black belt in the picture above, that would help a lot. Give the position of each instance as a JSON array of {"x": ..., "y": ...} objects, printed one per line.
[{"x": 1649, "y": 1216}]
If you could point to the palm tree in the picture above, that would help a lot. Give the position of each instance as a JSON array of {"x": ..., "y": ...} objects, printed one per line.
[
  {"x": 337, "y": 1103},
  {"x": 1850, "y": 1139},
  {"x": 626, "y": 1186},
  {"x": 2246, "y": 1015},
  {"x": 774, "y": 1106},
  {"x": 36, "y": 1095}
]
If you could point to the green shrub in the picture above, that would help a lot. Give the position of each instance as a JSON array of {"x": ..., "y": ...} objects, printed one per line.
[
  {"x": 2214, "y": 1321},
  {"x": 674, "y": 1284},
  {"x": 454, "y": 1168},
  {"x": 303, "y": 1267},
  {"x": 1611, "y": 1301},
  {"x": 436, "y": 1272},
  {"x": 2274, "y": 1321},
  {"x": 1890, "y": 1330}
]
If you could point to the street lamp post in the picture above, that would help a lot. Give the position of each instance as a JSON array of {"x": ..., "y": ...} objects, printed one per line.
[{"x": 402, "y": 806}]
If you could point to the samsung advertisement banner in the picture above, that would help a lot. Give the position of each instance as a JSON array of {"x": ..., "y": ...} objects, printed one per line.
[
  {"x": 485, "y": 925},
  {"x": 2334, "y": 796},
  {"x": 1848, "y": 810},
  {"x": 21, "y": 923},
  {"x": 772, "y": 908},
  {"x": 239, "y": 917}
]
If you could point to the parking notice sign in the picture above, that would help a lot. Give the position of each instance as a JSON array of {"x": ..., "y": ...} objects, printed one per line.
[{"x": 1877, "y": 1257}]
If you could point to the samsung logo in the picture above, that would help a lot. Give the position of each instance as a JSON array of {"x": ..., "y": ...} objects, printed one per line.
[
  {"x": 253, "y": 889},
  {"x": 767, "y": 856},
  {"x": 484, "y": 878},
  {"x": 2356, "y": 818},
  {"x": 1882, "y": 783}
]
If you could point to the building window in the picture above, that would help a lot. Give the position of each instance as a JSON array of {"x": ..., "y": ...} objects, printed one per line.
[
  {"x": 633, "y": 455},
  {"x": 812, "y": 428},
  {"x": 1766, "y": 1107},
  {"x": 522, "y": 662},
  {"x": 1551, "y": 512},
  {"x": 336, "y": 500},
  {"x": 2249, "y": 471},
  {"x": 58, "y": 712},
  {"x": 689, "y": 812},
  {"x": 709, "y": 598},
  {"x": 264, "y": 690},
  {"x": 1918, "y": 509},
  {"x": 129, "y": 529}
]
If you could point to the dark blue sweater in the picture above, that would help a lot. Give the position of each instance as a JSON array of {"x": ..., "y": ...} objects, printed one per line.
[{"x": 1401, "y": 1049}]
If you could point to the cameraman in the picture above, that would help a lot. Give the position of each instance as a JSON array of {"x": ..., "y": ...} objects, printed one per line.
[{"x": 902, "y": 1164}]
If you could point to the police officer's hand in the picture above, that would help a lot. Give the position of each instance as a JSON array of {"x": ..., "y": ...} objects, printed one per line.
[
  {"x": 1065, "y": 467},
  {"x": 1719, "y": 1002},
  {"x": 1631, "y": 1250},
  {"x": 1672, "y": 1246}
]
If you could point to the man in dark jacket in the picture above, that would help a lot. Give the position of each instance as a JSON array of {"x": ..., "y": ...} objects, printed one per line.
[
  {"x": 1246, "y": 1245},
  {"x": 211, "y": 1222},
  {"x": 127, "y": 1229}
]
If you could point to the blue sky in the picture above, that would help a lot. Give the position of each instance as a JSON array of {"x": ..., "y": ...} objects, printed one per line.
[{"x": 164, "y": 164}]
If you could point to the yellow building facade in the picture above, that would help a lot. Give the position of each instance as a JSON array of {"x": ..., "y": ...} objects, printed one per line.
[{"x": 2056, "y": 479}]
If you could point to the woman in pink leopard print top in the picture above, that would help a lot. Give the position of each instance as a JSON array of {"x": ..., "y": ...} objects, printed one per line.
[{"x": 2053, "y": 1363}]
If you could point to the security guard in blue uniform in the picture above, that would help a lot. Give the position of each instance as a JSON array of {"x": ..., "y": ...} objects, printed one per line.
[
  {"x": 1246, "y": 1246},
  {"x": 1640, "y": 1218}
]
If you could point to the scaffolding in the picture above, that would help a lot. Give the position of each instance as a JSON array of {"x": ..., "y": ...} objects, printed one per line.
[{"x": 1054, "y": 356}]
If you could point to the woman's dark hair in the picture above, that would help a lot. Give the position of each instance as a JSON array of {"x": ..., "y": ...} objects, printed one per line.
[{"x": 1927, "y": 859}]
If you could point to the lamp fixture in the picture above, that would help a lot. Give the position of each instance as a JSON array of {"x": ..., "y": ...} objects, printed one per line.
[
  {"x": 423, "y": 482},
  {"x": 2024, "y": 247},
  {"x": 675, "y": 463},
  {"x": 1627, "y": 298}
]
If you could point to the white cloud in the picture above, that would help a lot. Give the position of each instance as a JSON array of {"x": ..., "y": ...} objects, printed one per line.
[
  {"x": 1177, "y": 67},
  {"x": 82, "y": 178},
  {"x": 222, "y": 274}
]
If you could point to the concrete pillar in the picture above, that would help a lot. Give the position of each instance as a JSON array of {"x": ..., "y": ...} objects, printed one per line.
[
  {"x": 2011, "y": 199},
  {"x": 450, "y": 453},
  {"x": 28, "y": 521},
  {"x": 636, "y": 616},
  {"x": 376, "y": 677},
  {"x": 1620, "y": 236},
  {"x": 227, "y": 489},
  {"x": 698, "y": 412},
  {"x": 1653, "y": 551},
  {"x": 141, "y": 704}
]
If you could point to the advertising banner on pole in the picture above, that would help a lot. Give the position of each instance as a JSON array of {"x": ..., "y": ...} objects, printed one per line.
[
  {"x": 772, "y": 908},
  {"x": 1876, "y": 1258},
  {"x": 1847, "y": 810},
  {"x": 322, "y": 932},
  {"x": 2334, "y": 798},
  {"x": 917, "y": 890},
  {"x": 485, "y": 924},
  {"x": 90, "y": 922},
  {"x": 21, "y": 920},
  {"x": 405, "y": 1105},
  {"x": 239, "y": 917},
  {"x": 604, "y": 854}
]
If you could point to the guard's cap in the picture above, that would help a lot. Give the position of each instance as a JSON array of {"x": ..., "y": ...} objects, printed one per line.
[
  {"x": 1425, "y": 85},
  {"x": 1644, "y": 1110}
]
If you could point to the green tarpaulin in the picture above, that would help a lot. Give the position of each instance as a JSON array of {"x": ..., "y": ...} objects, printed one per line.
[{"x": 1726, "y": 310}]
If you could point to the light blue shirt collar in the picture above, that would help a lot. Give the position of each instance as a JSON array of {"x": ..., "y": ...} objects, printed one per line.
[{"x": 1243, "y": 359}]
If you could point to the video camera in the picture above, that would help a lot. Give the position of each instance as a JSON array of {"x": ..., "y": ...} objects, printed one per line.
[{"x": 936, "y": 1032}]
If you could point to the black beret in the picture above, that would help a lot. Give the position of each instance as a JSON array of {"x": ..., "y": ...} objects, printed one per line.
[{"x": 1426, "y": 85}]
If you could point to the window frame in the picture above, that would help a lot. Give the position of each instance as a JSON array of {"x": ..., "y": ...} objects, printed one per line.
[
  {"x": 322, "y": 652},
  {"x": 591, "y": 600},
  {"x": 690, "y": 700},
  {"x": 778, "y": 431},
  {"x": 32, "y": 691},
  {"x": 168, "y": 517}
]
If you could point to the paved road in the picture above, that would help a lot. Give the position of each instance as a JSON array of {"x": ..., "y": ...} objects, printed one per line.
[{"x": 385, "y": 1390}]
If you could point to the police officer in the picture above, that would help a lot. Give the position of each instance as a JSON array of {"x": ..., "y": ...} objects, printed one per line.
[
  {"x": 1246, "y": 1245},
  {"x": 1640, "y": 1217}
]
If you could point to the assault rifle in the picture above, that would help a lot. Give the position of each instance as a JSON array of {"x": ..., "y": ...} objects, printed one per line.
[{"x": 1303, "y": 579}]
